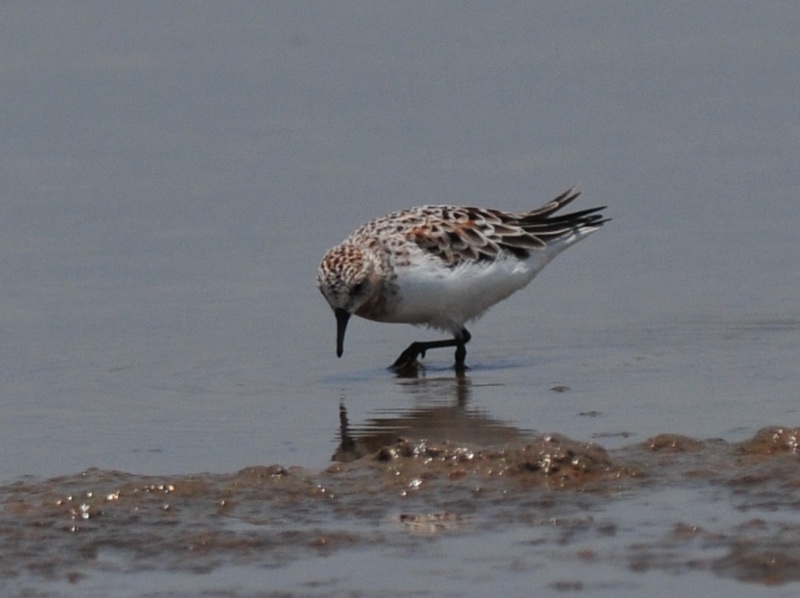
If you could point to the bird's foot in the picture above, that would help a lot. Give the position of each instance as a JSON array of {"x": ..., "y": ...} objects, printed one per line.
[
  {"x": 408, "y": 358},
  {"x": 411, "y": 370},
  {"x": 461, "y": 355},
  {"x": 461, "y": 369}
]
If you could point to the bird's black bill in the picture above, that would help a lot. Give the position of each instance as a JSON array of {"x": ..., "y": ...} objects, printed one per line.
[{"x": 342, "y": 317}]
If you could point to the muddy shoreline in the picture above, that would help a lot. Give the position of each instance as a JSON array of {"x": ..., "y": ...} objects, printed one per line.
[{"x": 567, "y": 493}]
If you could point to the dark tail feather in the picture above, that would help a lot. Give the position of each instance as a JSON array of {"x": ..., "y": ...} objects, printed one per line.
[{"x": 546, "y": 223}]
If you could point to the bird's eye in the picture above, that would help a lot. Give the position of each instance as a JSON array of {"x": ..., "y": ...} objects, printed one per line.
[{"x": 358, "y": 288}]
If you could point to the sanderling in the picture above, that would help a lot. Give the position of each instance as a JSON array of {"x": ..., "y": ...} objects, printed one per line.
[{"x": 444, "y": 266}]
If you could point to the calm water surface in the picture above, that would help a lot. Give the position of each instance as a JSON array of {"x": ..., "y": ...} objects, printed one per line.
[{"x": 171, "y": 178}]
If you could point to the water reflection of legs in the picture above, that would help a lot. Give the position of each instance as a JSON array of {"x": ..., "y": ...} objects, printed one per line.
[
  {"x": 454, "y": 390},
  {"x": 443, "y": 416}
]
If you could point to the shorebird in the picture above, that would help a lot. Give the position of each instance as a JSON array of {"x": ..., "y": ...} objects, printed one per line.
[{"x": 444, "y": 266}]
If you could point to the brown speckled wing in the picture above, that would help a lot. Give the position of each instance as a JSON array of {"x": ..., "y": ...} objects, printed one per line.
[{"x": 459, "y": 234}]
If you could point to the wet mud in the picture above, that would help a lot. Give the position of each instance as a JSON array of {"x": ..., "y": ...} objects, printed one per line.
[{"x": 576, "y": 498}]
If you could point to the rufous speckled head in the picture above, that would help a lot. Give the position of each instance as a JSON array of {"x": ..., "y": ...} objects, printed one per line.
[{"x": 346, "y": 279}]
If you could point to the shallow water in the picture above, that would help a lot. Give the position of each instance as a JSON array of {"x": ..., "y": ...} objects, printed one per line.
[
  {"x": 546, "y": 514},
  {"x": 170, "y": 180}
]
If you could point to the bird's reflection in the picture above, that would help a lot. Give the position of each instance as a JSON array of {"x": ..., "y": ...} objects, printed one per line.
[
  {"x": 444, "y": 416},
  {"x": 451, "y": 390}
]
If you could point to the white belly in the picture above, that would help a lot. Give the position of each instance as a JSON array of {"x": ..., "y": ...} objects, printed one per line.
[
  {"x": 449, "y": 298},
  {"x": 445, "y": 298}
]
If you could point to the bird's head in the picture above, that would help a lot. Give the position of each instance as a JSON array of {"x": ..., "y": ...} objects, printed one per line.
[{"x": 346, "y": 277}]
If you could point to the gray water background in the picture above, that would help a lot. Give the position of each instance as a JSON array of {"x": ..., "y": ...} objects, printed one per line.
[{"x": 171, "y": 175}]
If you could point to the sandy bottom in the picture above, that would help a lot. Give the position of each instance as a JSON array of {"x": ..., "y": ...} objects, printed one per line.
[{"x": 626, "y": 508}]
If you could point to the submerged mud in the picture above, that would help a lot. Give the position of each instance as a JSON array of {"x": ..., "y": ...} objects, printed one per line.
[{"x": 576, "y": 497}]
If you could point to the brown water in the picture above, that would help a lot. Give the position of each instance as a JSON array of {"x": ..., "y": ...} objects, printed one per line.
[{"x": 548, "y": 503}]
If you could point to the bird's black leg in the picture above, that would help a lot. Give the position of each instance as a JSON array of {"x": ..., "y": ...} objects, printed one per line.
[
  {"x": 461, "y": 350},
  {"x": 418, "y": 349}
]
